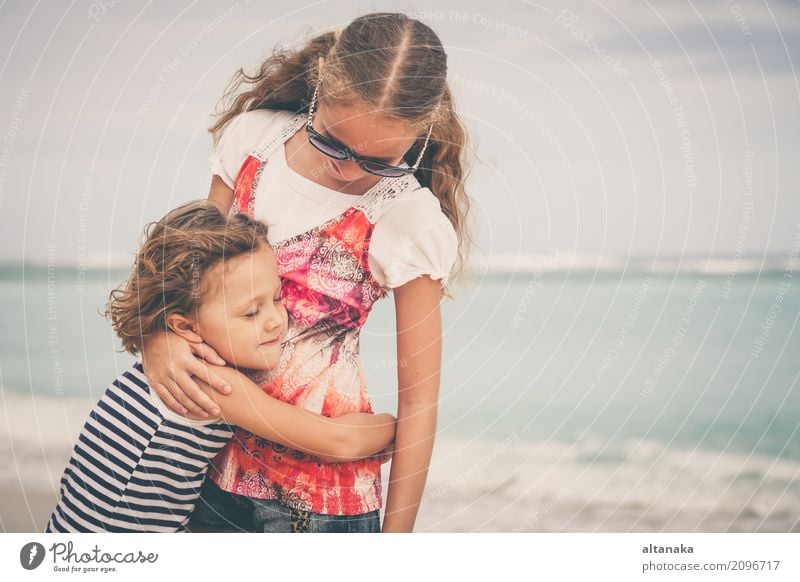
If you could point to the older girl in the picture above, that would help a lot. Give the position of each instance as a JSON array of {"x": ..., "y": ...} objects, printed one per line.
[{"x": 351, "y": 150}]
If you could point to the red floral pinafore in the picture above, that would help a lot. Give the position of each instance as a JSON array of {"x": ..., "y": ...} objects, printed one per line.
[{"x": 328, "y": 290}]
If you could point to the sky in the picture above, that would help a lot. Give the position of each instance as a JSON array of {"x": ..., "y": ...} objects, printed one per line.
[{"x": 626, "y": 128}]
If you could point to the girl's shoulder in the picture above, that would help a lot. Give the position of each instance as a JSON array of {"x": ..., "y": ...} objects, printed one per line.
[
  {"x": 243, "y": 135},
  {"x": 416, "y": 207},
  {"x": 413, "y": 237},
  {"x": 255, "y": 126}
]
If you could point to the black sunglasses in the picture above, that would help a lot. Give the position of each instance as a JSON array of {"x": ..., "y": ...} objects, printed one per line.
[{"x": 338, "y": 151}]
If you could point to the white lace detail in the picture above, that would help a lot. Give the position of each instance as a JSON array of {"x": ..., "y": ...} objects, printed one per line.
[
  {"x": 373, "y": 202},
  {"x": 265, "y": 148},
  {"x": 380, "y": 197}
]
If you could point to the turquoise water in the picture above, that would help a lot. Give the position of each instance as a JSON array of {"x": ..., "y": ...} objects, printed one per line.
[
  {"x": 565, "y": 357},
  {"x": 568, "y": 402},
  {"x": 556, "y": 357}
]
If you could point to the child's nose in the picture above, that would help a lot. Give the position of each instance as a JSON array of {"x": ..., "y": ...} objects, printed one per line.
[{"x": 275, "y": 319}]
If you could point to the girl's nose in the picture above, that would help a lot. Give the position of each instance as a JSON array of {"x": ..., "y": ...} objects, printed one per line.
[{"x": 350, "y": 170}]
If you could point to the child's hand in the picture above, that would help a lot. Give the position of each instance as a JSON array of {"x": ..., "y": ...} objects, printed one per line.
[{"x": 171, "y": 362}]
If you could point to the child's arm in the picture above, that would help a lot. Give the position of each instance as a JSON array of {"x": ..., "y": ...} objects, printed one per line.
[
  {"x": 221, "y": 194},
  {"x": 345, "y": 438},
  {"x": 419, "y": 347}
]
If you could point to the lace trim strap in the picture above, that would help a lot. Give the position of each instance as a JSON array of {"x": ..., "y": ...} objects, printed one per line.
[
  {"x": 265, "y": 149},
  {"x": 381, "y": 196}
]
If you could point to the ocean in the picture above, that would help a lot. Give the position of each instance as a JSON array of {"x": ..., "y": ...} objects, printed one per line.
[{"x": 616, "y": 399}]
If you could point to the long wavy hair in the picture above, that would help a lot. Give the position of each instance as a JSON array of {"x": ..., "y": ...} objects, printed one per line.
[{"x": 389, "y": 62}]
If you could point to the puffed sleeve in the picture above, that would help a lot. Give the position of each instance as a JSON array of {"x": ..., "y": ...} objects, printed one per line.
[
  {"x": 242, "y": 133},
  {"x": 415, "y": 239}
]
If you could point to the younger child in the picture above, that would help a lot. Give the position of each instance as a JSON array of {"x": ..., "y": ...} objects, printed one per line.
[{"x": 139, "y": 466}]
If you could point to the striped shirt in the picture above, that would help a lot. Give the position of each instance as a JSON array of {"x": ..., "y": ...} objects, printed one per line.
[{"x": 137, "y": 466}]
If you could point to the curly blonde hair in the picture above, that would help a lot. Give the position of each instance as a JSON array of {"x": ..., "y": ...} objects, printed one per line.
[{"x": 167, "y": 275}]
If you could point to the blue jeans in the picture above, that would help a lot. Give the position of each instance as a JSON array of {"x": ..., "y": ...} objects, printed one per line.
[{"x": 220, "y": 511}]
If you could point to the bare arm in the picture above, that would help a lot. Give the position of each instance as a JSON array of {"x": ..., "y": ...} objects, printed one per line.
[
  {"x": 220, "y": 194},
  {"x": 419, "y": 356},
  {"x": 345, "y": 438}
]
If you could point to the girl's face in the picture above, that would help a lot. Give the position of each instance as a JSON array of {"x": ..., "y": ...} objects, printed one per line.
[
  {"x": 368, "y": 133},
  {"x": 241, "y": 315}
]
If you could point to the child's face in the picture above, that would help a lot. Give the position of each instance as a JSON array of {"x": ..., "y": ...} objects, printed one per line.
[{"x": 241, "y": 315}]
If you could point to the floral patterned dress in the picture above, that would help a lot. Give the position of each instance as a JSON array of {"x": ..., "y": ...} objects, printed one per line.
[{"x": 329, "y": 291}]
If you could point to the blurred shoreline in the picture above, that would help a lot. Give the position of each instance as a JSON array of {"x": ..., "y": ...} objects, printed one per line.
[
  {"x": 501, "y": 265},
  {"x": 484, "y": 483}
]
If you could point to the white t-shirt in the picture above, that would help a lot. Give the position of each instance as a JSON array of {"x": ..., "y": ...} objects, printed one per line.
[{"x": 411, "y": 238}]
